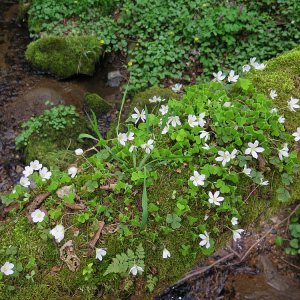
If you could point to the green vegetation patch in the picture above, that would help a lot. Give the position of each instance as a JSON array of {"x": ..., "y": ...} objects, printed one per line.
[
  {"x": 176, "y": 40},
  {"x": 65, "y": 56},
  {"x": 51, "y": 136},
  {"x": 172, "y": 187}
]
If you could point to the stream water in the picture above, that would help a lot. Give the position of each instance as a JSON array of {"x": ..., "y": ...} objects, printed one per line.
[{"x": 24, "y": 91}]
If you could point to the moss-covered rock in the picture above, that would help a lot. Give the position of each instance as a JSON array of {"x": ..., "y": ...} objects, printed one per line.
[
  {"x": 65, "y": 56},
  {"x": 283, "y": 75},
  {"x": 96, "y": 103},
  {"x": 55, "y": 147}
]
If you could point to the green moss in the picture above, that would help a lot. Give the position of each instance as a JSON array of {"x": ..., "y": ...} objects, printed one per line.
[
  {"x": 96, "y": 103},
  {"x": 283, "y": 75},
  {"x": 142, "y": 98},
  {"x": 65, "y": 56},
  {"x": 54, "y": 147}
]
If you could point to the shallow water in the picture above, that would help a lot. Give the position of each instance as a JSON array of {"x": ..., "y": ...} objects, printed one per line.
[{"x": 24, "y": 91}]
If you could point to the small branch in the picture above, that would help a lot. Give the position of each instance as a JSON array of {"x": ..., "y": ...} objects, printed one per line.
[
  {"x": 95, "y": 238},
  {"x": 108, "y": 187}
]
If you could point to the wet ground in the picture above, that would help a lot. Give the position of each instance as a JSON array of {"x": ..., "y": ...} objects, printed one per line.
[{"x": 24, "y": 91}]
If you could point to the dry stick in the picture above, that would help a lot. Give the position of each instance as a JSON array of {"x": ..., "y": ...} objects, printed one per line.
[
  {"x": 292, "y": 265},
  {"x": 258, "y": 241},
  {"x": 96, "y": 236},
  {"x": 193, "y": 274}
]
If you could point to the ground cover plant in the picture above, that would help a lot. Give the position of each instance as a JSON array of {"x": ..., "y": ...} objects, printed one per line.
[
  {"x": 177, "y": 179},
  {"x": 175, "y": 40}
]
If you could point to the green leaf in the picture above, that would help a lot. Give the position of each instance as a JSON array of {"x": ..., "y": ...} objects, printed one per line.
[
  {"x": 283, "y": 195},
  {"x": 294, "y": 243},
  {"x": 278, "y": 241}
]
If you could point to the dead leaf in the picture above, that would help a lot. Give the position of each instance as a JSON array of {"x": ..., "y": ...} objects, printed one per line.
[
  {"x": 75, "y": 206},
  {"x": 68, "y": 255}
]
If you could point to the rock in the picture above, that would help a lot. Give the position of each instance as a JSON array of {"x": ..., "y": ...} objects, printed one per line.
[
  {"x": 96, "y": 103},
  {"x": 63, "y": 56},
  {"x": 114, "y": 78}
]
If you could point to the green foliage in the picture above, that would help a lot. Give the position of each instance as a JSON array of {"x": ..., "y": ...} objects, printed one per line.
[
  {"x": 292, "y": 246},
  {"x": 123, "y": 262},
  {"x": 65, "y": 56},
  {"x": 165, "y": 39},
  {"x": 96, "y": 103},
  {"x": 50, "y": 136}
]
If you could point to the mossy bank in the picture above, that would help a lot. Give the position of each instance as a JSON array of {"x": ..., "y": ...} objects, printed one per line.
[{"x": 122, "y": 208}]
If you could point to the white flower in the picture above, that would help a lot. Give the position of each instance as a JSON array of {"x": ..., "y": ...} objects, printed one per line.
[
  {"x": 139, "y": 115},
  {"x": 192, "y": 120},
  {"x": 246, "y": 68},
  {"x": 100, "y": 252},
  {"x": 155, "y": 99},
  {"x": 122, "y": 138},
  {"x": 130, "y": 136},
  {"x": 79, "y": 151},
  {"x": 7, "y": 268},
  {"x": 233, "y": 154},
  {"x": 219, "y": 76},
  {"x": 176, "y": 88},
  {"x": 295, "y": 134},
  {"x": 281, "y": 119},
  {"x": 197, "y": 179},
  {"x": 258, "y": 66},
  {"x": 262, "y": 182},
  {"x": 166, "y": 253},
  {"x": 254, "y": 149},
  {"x": 205, "y": 240},
  {"x": 200, "y": 119},
  {"x": 164, "y": 109},
  {"x": 234, "y": 221},
  {"x": 148, "y": 146},
  {"x": 273, "y": 94},
  {"x": 204, "y": 135},
  {"x": 224, "y": 157},
  {"x": 24, "y": 181},
  {"x": 58, "y": 232},
  {"x": 174, "y": 120},
  {"x": 227, "y": 104},
  {"x": 253, "y": 61},
  {"x": 132, "y": 148},
  {"x": 237, "y": 233},
  {"x": 136, "y": 270},
  {"x": 232, "y": 77},
  {"x": 206, "y": 217},
  {"x": 214, "y": 198},
  {"x": 165, "y": 129},
  {"x": 35, "y": 165},
  {"x": 293, "y": 104},
  {"x": 45, "y": 174},
  {"x": 206, "y": 147},
  {"x": 28, "y": 171},
  {"x": 284, "y": 152},
  {"x": 72, "y": 171},
  {"x": 37, "y": 216},
  {"x": 273, "y": 110},
  {"x": 247, "y": 171}
]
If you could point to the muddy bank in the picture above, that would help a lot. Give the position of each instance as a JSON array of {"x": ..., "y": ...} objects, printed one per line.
[{"x": 24, "y": 91}]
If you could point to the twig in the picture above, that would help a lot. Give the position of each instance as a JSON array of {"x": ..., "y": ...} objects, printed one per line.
[
  {"x": 204, "y": 269},
  {"x": 95, "y": 238},
  {"x": 298, "y": 268},
  {"x": 259, "y": 240}
]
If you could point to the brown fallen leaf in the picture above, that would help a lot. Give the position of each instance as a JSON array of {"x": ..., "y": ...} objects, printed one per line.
[
  {"x": 95, "y": 238},
  {"x": 68, "y": 255},
  {"x": 35, "y": 203},
  {"x": 6, "y": 210},
  {"x": 56, "y": 269},
  {"x": 75, "y": 206},
  {"x": 108, "y": 187}
]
